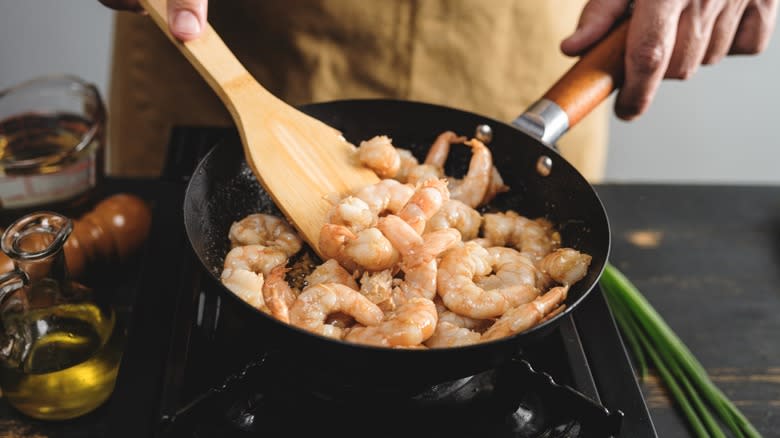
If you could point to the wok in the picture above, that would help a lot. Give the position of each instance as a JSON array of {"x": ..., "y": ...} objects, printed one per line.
[{"x": 542, "y": 184}]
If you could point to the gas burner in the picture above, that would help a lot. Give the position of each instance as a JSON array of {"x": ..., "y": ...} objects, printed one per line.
[{"x": 515, "y": 400}]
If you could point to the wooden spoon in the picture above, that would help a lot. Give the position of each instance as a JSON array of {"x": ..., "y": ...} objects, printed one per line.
[{"x": 295, "y": 157}]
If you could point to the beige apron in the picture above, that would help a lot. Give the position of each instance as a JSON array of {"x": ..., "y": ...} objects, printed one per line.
[{"x": 490, "y": 57}]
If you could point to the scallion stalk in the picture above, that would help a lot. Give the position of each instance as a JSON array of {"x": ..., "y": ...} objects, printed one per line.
[{"x": 679, "y": 369}]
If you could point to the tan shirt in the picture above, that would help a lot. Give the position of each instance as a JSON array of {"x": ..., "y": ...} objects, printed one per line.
[{"x": 490, "y": 57}]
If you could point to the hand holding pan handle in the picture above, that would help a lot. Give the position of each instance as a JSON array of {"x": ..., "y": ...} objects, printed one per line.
[{"x": 591, "y": 80}]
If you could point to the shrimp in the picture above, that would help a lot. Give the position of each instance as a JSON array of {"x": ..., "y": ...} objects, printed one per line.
[
  {"x": 333, "y": 244},
  {"x": 418, "y": 254},
  {"x": 534, "y": 237},
  {"x": 245, "y": 270},
  {"x": 473, "y": 187},
  {"x": 459, "y": 268},
  {"x": 254, "y": 258},
  {"x": 437, "y": 157},
  {"x": 426, "y": 201},
  {"x": 440, "y": 149},
  {"x": 353, "y": 213},
  {"x": 266, "y": 230},
  {"x": 313, "y": 306},
  {"x": 278, "y": 295},
  {"x": 330, "y": 272},
  {"x": 386, "y": 196},
  {"x": 522, "y": 318},
  {"x": 478, "y": 325},
  {"x": 379, "y": 155},
  {"x": 423, "y": 172},
  {"x": 450, "y": 335},
  {"x": 368, "y": 249},
  {"x": 412, "y": 324},
  {"x": 372, "y": 250},
  {"x": 495, "y": 187},
  {"x": 408, "y": 162},
  {"x": 566, "y": 265},
  {"x": 247, "y": 285},
  {"x": 414, "y": 249},
  {"x": 513, "y": 271},
  {"x": 456, "y": 214}
]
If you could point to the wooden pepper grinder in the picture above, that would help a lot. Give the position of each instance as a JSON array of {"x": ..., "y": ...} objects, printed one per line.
[{"x": 109, "y": 233}]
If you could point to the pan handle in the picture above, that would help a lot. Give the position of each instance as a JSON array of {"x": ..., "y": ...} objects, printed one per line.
[{"x": 591, "y": 80}]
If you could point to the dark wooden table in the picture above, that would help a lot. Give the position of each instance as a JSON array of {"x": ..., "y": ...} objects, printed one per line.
[{"x": 707, "y": 258}]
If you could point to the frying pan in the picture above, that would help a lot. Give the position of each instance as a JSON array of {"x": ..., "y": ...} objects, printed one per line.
[{"x": 542, "y": 184}]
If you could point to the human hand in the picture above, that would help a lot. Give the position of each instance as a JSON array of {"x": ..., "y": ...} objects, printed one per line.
[
  {"x": 186, "y": 18},
  {"x": 671, "y": 38}
]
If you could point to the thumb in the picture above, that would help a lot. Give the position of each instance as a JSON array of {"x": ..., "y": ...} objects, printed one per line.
[
  {"x": 187, "y": 18},
  {"x": 596, "y": 19}
]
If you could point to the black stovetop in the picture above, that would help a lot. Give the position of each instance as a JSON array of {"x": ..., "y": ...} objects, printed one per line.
[{"x": 182, "y": 376}]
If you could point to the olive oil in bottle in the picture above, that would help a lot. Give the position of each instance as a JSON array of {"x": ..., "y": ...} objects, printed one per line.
[
  {"x": 72, "y": 363},
  {"x": 60, "y": 347}
]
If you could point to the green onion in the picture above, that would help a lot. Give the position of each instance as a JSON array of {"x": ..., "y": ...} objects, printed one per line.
[{"x": 647, "y": 333}]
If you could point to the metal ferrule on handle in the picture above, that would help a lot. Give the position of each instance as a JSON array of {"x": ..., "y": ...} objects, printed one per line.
[{"x": 544, "y": 120}]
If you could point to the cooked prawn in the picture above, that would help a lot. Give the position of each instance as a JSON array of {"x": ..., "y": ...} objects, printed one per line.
[
  {"x": 566, "y": 265},
  {"x": 352, "y": 212},
  {"x": 266, "y": 230},
  {"x": 426, "y": 201},
  {"x": 495, "y": 186},
  {"x": 472, "y": 188},
  {"x": 456, "y": 214},
  {"x": 386, "y": 196},
  {"x": 440, "y": 149},
  {"x": 534, "y": 237},
  {"x": 379, "y": 155},
  {"x": 513, "y": 270},
  {"x": 423, "y": 172},
  {"x": 458, "y": 270},
  {"x": 278, "y": 294},
  {"x": 313, "y": 306},
  {"x": 254, "y": 258},
  {"x": 330, "y": 272},
  {"x": 247, "y": 285},
  {"x": 368, "y": 248},
  {"x": 522, "y": 318},
  {"x": 412, "y": 324},
  {"x": 450, "y": 335},
  {"x": 408, "y": 163}
]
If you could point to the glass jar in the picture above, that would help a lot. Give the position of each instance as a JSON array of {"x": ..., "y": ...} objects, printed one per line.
[
  {"x": 60, "y": 344},
  {"x": 52, "y": 136}
]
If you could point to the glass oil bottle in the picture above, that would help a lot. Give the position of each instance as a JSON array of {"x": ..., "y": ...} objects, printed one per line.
[{"x": 60, "y": 344}]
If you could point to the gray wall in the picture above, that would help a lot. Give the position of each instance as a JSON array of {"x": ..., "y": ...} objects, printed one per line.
[{"x": 720, "y": 126}]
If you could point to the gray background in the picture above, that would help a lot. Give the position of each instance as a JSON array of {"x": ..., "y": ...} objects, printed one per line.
[{"x": 720, "y": 126}]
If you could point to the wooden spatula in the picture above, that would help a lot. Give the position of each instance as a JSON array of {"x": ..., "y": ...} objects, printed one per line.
[{"x": 295, "y": 157}]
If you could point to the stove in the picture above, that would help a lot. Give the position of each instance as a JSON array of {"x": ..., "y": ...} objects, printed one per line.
[{"x": 182, "y": 369}]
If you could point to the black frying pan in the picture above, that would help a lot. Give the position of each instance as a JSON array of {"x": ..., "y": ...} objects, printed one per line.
[{"x": 223, "y": 190}]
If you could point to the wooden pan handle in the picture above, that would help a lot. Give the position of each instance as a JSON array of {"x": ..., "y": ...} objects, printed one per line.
[{"x": 593, "y": 78}]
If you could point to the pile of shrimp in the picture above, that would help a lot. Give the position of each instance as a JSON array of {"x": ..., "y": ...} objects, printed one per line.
[{"x": 410, "y": 261}]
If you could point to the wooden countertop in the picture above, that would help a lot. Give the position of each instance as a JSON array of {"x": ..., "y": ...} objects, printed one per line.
[{"x": 708, "y": 259}]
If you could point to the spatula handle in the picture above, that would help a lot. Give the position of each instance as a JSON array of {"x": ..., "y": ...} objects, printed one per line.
[{"x": 209, "y": 55}]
